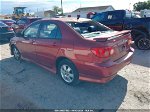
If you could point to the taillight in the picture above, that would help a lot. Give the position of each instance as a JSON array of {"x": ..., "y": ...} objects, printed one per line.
[
  {"x": 130, "y": 42},
  {"x": 103, "y": 52},
  {"x": 10, "y": 29}
]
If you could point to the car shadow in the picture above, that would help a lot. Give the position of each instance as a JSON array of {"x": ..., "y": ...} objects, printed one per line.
[
  {"x": 141, "y": 57},
  {"x": 49, "y": 92}
]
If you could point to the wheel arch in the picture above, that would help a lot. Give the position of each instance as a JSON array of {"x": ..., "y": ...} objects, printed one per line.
[
  {"x": 59, "y": 59},
  {"x": 138, "y": 31},
  {"x": 11, "y": 49}
]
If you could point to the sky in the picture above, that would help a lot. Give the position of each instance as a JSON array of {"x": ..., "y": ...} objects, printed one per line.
[{"x": 6, "y": 6}]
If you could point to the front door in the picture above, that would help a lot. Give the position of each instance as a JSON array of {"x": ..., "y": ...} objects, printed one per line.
[{"x": 26, "y": 43}]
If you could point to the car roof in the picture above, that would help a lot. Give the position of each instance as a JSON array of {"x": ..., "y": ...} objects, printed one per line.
[{"x": 68, "y": 19}]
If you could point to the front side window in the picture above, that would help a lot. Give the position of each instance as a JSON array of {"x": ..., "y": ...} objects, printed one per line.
[
  {"x": 32, "y": 31},
  {"x": 50, "y": 31}
]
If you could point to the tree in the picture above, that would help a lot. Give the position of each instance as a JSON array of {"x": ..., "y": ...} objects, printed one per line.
[
  {"x": 57, "y": 10},
  {"x": 141, "y": 5}
]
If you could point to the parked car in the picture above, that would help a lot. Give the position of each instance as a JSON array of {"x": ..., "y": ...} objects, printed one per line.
[
  {"x": 6, "y": 32},
  {"x": 23, "y": 23},
  {"x": 75, "y": 49},
  {"x": 8, "y": 22},
  {"x": 125, "y": 20}
]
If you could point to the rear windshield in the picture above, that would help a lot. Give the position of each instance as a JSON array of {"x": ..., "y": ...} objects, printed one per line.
[
  {"x": 89, "y": 28},
  {"x": 2, "y": 24}
]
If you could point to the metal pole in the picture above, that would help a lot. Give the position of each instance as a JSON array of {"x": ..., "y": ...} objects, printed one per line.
[{"x": 62, "y": 7}]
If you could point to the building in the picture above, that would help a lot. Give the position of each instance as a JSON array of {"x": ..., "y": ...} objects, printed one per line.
[
  {"x": 45, "y": 14},
  {"x": 145, "y": 13},
  {"x": 86, "y": 12},
  {"x": 5, "y": 16}
]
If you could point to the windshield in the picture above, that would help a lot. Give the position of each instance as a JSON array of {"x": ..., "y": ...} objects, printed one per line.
[{"x": 89, "y": 29}]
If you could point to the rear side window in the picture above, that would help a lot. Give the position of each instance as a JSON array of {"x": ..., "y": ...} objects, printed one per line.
[
  {"x": 114, "y": 15},
  {"x": 50, "y": 31}
]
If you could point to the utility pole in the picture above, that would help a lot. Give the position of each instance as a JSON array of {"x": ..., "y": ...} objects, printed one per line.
[
  {"x": 130, "y": 6},
  {"x": 80, "y": 3},
  {"x": 62, "y": 7}
]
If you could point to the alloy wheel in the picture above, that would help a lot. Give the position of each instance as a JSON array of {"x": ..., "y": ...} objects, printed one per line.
[
  {"x": 144, "y": 43},
  {"x": 67, "y": 73},
  {"x": 16, "y": 53}
]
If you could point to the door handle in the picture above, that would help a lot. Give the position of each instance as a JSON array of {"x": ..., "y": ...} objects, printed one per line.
[
  {"x": 54, "y": 44},
  {"x": 33, "y": 42}
]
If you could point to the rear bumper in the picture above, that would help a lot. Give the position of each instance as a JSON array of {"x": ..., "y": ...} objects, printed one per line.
[
  {"x": 104, "y": 72},
  {"x": 6, "y": 36}
]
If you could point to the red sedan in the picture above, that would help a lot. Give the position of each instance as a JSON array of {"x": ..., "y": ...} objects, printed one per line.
[{"x": 74, "y": 49}]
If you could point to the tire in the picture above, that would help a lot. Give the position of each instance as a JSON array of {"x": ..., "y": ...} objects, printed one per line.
[
  {"x": 9, "y": 39},
  {"x": 142, "y": 42},
  {"x": 16, "y": 53},
  {"x": 68, "y": 72}
]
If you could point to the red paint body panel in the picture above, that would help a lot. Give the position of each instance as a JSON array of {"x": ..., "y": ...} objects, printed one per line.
[{"x": 77, "y": 49}]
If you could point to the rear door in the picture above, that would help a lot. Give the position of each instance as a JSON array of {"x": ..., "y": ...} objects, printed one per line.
[{"x": 48, "y": 44}]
